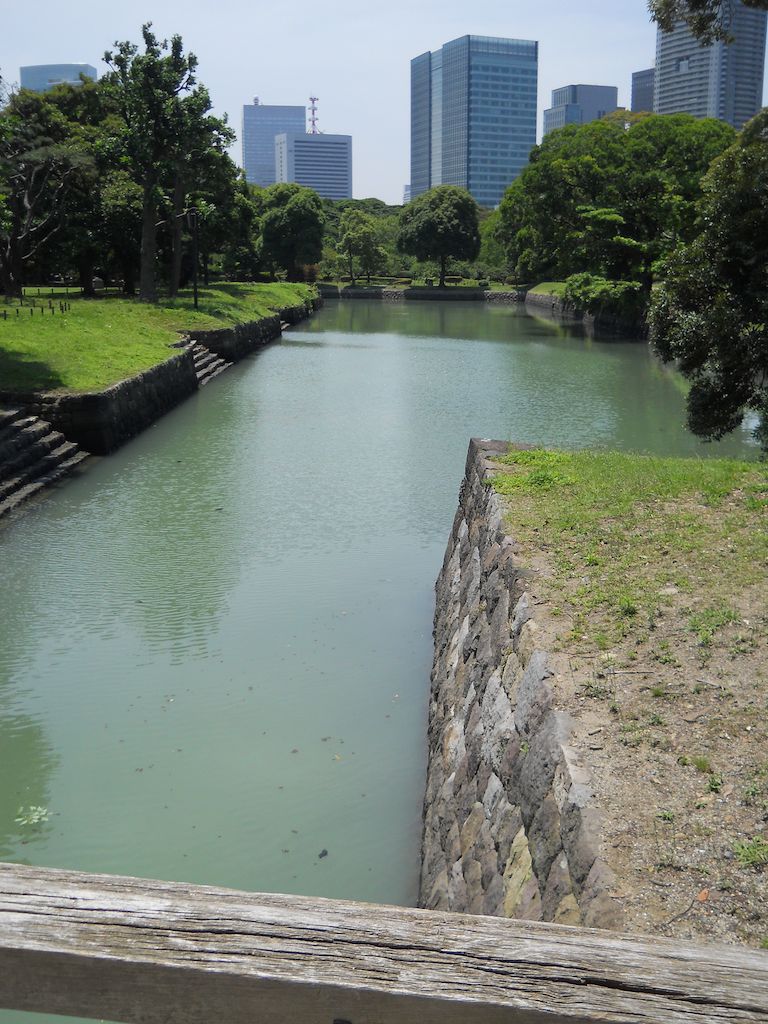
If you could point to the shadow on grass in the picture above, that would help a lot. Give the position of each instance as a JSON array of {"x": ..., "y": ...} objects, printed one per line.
[{"x": 20, "y": 375}]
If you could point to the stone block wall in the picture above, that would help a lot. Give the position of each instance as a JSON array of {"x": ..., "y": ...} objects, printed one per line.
[
  {"x": 235, "y": 343},
  {"x": 511, "y": 827},
  {"x": 101, "y": 421}
]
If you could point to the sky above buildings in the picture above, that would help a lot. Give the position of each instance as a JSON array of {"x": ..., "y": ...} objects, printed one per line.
[{"x": 354, "y": 56}]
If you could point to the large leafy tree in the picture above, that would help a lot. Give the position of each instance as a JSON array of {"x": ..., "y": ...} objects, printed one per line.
[
  {"x": 196, "y": 158},
  {"x": 710, "y": 314},
  {"x": 39, "y": 163},
  {"x": 441, "y": 224},
  {"x": 291, "y": 228},
  {"x": 359, "y": 241},
  {"x": 707, "y": 19},
  {"x": 148, "y": 87},
  {"x": 610, "y": 197}
]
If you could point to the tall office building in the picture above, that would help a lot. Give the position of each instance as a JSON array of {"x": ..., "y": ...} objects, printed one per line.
[
  {"x": 642, "y": 90},
  {"x": 42, "y": 77},
  {"x": 261, "y": 123},
  {"x": 321, "y": 162},
  {"x": 578, "y": 104},
  {"x": 724, "y": 80},
  {"x": 473, "y": 115}
]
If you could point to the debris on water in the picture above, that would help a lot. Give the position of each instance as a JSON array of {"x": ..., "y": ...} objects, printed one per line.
[
  {"x": 323, "y": 853},
  {"x": 295, "y": 750}
]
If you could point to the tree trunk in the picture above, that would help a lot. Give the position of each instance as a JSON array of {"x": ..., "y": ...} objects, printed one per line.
[
  {"x": 147, "y": 276},
  {"x": 351, "y": 267},
  {"x": 443, "y": 261},
  {"x": 177, "y": 229},
  {"x": 10, "y": 273}
]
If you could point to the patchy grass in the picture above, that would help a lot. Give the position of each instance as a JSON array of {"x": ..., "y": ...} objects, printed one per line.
[
  {"x": 626, "y": 534},
  {"x": 752, "y": 854},
  {"x": 650, "y": 583},
  {"x": 101, "y": 341}
]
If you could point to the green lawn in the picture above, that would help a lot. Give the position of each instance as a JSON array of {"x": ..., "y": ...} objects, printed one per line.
[
  {"x": 556, "y": 288},
  {"x": 620, "y": 529},
  {"x": 101, "y": 341}
]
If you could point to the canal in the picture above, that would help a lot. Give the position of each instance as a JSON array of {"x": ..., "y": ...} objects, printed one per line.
[{"x": 215, "y": 645}]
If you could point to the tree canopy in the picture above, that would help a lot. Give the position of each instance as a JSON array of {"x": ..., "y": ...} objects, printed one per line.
[
  {"x": 710, "y": 314},
  {"x": 440, "y": 224},
  {"x": 610, "y": 197},
  {"x": 147, "y": 87},
  {"x": 291, "y": 228},
  {"x": 703, "y": 17},
  {"x": 97, "y": 178}
]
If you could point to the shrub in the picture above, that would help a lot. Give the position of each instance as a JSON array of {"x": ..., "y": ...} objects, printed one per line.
[{"x": 599, "y": 296}]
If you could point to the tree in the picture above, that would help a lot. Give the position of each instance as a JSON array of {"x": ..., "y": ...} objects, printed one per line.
[
  {"x": 38, "y": 164},
  {"x": 703, "y": 17},
  {"x": 200, "y": 140},
  {"x": 291, "y": 228},
  {"x": 440, "y": 224},
  {"x": 359, "y": 240},
  {"x": 610, "y": 197},
  {"x": 710, "y": 314},
  {"x": 147, "y": 87}
]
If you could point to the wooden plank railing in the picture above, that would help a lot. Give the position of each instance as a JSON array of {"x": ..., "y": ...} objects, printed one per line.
[{"x": 125, "y": 949}]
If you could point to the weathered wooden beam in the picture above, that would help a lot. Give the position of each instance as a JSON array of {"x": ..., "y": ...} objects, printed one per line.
[{"x": 125, "y": 949}]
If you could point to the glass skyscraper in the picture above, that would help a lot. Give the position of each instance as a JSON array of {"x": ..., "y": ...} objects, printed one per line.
[
  {"x": 579, "y": 104},
  {"x": 261, "y": 123},
  {"x": 473, "y": 115},
  {"x": 724, "y": 80},
  {"x": 42, "y": 77}
]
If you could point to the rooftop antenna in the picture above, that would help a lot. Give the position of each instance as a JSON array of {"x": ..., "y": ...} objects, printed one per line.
[{"x": 313, "y": 129}]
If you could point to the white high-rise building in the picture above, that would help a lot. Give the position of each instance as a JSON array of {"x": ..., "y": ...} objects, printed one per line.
[
  {"x": 321, "y": 162},
  {"x": 724, "y": 80}
]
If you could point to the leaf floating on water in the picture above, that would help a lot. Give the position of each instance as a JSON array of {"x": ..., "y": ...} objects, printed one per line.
[
  {"x": 32, "y": 815},
  {"x": 336, "y": 757},
  {"x": 323, "y": 853}
]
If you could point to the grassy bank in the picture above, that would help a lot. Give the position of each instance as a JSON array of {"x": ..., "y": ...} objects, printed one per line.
[
  {"x": 100, "y": 341},
  {"x": 554, "y": 288},
  {"x": 649, "y": 580},
  {"x": 627, "y": 533}
]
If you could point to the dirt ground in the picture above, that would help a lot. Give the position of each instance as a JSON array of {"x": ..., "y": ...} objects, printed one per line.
[{"x": 672, "y": 719}]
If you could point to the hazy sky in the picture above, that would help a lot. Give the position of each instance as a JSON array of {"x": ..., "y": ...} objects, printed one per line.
[{"x": 355, "y": 56}]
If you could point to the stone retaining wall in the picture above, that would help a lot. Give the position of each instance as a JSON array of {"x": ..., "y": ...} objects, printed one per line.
[
  {"x": 511, "y": 827},
  {"x": 234, "y": 343},
  {"x": 101, "y": 421},
  {"x": 451, "y": 294},
  {"x": 560, "y": 309}
]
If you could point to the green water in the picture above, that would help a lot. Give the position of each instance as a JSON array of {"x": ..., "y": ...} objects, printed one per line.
[{"x": 215, "y": 645}]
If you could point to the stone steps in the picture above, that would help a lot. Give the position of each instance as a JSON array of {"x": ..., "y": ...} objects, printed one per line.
[
  {"x": 32, "y": 456},
  {"x": 207, "y": 364}
]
